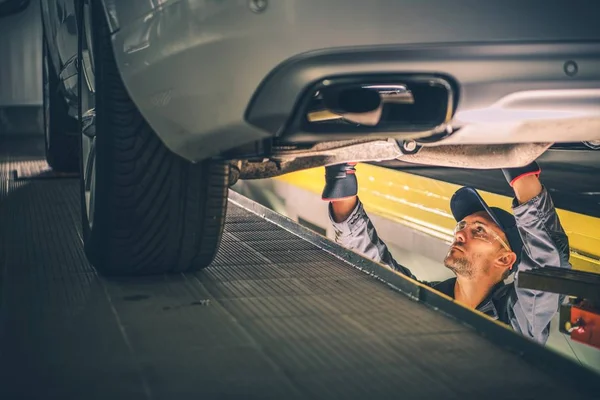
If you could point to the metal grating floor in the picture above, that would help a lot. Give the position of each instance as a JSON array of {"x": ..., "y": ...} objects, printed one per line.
[{"x": 273, "y": 317}]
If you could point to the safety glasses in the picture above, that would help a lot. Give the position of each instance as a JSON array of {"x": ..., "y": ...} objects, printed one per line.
[{"x": 479, "y": 231}]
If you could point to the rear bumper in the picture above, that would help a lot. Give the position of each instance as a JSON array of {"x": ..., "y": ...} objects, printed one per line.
[
  {"x": 212, "y": 76},
  {"x": 504, "y": 93}
]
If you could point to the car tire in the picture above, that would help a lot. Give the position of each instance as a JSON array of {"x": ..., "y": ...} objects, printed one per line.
[
  {"x": 150, "y": 211},
  {"x": 60, "y": 129}
]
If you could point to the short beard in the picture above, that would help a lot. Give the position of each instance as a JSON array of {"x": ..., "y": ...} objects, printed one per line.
[{"x": 460, "y": 266}]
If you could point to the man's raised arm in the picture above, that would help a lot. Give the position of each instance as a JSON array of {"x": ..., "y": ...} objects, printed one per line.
[
  {"x": 353, "y": 228},
  {"x": 545, "y": 243}
]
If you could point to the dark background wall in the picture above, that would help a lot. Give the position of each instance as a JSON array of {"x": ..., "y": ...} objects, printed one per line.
[{"x": 21, "y": 72}]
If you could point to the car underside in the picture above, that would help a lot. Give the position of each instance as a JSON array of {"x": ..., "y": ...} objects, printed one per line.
[
  {"x": 321, "y": 107},
  {"x": 346, "y": 104}
]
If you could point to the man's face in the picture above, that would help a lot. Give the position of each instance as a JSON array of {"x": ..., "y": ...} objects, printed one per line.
[{"x": 475, "y": 248}]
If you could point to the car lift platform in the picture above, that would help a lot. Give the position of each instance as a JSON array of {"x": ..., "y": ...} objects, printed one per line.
[{"x": 282, "y": 313}]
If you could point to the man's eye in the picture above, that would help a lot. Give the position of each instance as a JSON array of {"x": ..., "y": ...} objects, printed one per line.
[{"x": 478, "y": 231}]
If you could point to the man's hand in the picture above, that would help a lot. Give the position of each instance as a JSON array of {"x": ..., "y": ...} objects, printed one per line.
[
  {"x": 341, "y": 188},
  {"x": 524, "y": 181}
]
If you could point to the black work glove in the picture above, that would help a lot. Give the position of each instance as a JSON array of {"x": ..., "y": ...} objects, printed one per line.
[
  {"x": 514, "y": 174},
  {"x": 340, "y": 182}
]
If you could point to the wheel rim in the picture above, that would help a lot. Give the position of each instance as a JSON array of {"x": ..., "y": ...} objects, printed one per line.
[
  {"x": 88, "y": 154},
  {"x": 88, "y": 121}
]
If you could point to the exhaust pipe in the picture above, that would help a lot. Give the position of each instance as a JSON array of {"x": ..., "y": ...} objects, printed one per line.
[
  {"x": 353, "y": 100},
  {"x": 398, "y": 106},
  {"x": 362, "y": 105},
  {"x": 493, "y": 156},
  {"x": 458, "y": 156}
]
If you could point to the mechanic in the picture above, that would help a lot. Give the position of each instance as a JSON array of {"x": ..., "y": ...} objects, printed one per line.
[{"x": 489, "y": 244}]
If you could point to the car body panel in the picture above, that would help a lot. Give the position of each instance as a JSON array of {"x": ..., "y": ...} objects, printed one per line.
[
  {"x": 126, "y": 12},
  {"x": 193, "y": 66},
  {"x": 493, "y": 81}
]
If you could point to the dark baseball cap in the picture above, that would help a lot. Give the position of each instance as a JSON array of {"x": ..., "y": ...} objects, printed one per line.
[{"x": 467, "y": 201}]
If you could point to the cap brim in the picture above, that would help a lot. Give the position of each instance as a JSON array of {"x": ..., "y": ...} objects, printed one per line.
[{"x": 467, "y": 201}]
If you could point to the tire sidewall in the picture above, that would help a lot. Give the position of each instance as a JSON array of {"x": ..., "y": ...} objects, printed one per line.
[
  {"x": 58, "y": 126},
  {"x": 102, "y": 210},
  {"x": 85, "y": 225},
  {"x": 46, "y": 93}
]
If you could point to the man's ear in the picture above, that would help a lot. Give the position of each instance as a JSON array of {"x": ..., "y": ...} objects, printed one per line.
[{"x": 506, "y": 260}]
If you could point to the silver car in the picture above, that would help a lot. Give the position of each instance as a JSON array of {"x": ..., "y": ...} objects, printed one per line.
[{"x": 163, "y": 104}]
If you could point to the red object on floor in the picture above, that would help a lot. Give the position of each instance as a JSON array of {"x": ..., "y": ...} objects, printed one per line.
[{"x": 588, "y": 322}]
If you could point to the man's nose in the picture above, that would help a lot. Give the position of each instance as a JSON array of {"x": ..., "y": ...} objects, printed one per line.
[{"x": 460, "y": 236}]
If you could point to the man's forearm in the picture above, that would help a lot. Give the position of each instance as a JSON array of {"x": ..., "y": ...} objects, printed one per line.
[
  {"x": 527, "y": 188},
  {"x": 341, "y": 209},
  {"x": 355, "y": 231}
]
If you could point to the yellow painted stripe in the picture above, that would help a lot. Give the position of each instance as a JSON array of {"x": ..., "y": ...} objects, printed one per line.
[{"x": 424, "y": 204}]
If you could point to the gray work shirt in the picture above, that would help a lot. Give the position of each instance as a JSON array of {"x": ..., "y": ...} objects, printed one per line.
[{"x": 528, "y": 312}]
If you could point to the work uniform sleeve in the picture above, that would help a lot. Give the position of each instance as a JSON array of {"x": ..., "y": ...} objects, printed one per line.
[
  {"x": 357, "y": 233},
  {"x": 545, "y": 245}
]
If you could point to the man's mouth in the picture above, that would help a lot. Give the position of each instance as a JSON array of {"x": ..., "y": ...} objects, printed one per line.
[{"x": 457, "y": 248}]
